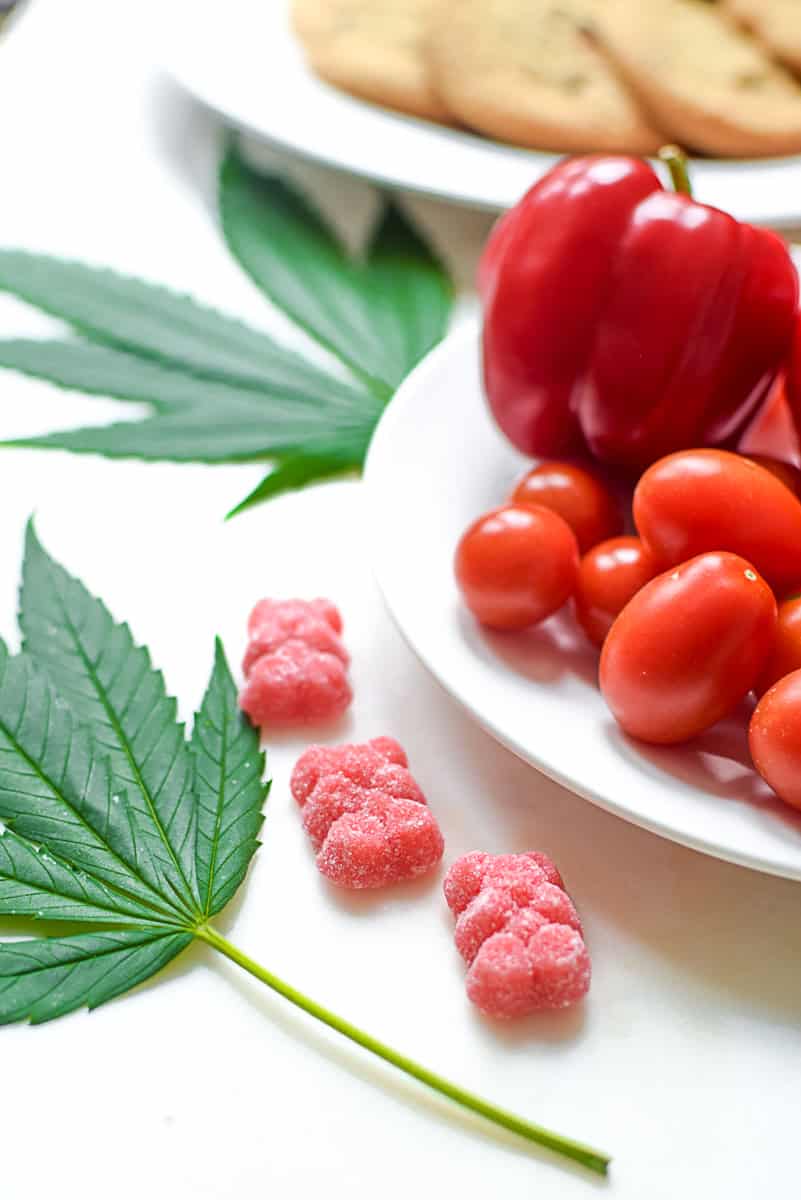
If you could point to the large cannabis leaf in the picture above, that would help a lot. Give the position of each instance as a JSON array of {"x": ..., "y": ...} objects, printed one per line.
[
  {"x": 218, "y": 390},
  {"x": 109, "y": 816},
  {"x": 110, "y": 819}
]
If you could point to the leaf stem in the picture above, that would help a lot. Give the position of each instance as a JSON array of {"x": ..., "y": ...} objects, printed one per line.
[{"x": 592, "y": 1159}]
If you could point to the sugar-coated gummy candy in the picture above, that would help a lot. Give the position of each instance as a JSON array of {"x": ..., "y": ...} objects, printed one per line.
[
  {"x": 288, "y": 611},
  {"x": 274, "y": 622},
  {"x": 295, "y": 665},
  {"x": 365, "y": 815},
  {"x": 518, "y": 931},
  {"x": 470, "y": 872},
  {"x": 293, "y": 685},
  {"x": 513, "y": 978}
]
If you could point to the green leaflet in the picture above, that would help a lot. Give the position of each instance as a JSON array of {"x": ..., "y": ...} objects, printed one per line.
[
  {"x": 35, "y": 884},
  {"x": 295, "y": 472},
  {"x": 410, "y": 294},
  {"x": 100, "y": 370},
  {"x": 221, "y": 391},
  {"x": 379, "y": 317},
  {"x": 230, "y": 793},
  {"x": 148, "y": 320},
  {"x": 109, "y": 683},
  {"x": 44, "y": 979},
  {"x": 104, "y": 371},
  {"x": 216, "y": 436}
]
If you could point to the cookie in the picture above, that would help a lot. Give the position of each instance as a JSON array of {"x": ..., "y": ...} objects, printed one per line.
[
  {"x": 523, "y": 71},
  {"x": 372, "y": 49},
  {"x": 776, "y": 23},
  {"x": 705, "y": 82}
]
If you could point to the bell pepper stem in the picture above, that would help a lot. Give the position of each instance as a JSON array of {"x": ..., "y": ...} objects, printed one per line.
[{"x": 675, "y": 160}]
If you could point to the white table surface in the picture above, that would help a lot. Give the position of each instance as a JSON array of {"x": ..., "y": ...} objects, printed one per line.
[{"x": 684, "y": 1061}]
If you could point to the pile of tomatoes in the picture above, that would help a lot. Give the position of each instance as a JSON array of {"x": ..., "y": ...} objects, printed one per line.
[{"x": 692, "y": 613}]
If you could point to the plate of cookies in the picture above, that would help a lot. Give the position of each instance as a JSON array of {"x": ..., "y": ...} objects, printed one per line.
[{"x": 473, "y": 100}]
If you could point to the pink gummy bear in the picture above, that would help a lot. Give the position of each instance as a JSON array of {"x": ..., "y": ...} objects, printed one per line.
[
  {"x": 295, "y": 665},
  {"x": 365, "y": 815},
  {"x": 517, "y": 929}
]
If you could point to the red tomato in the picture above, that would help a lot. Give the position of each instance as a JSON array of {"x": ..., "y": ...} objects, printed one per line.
[
  {"x": 587, "y": 506},
  {"x": 516, "y": 565},
  {"x": 687, "y": 648},
  {"x": 774, "y": 736},
  {"x": 786, "y": 654},
  {"x": 699, "y": 500},
  {"x": 608, "y": 577}
]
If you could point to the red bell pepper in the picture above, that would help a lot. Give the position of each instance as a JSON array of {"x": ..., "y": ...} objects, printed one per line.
[
  {"x": 773, "y": 433},
  {"x": 794, "y": 384},
  {"x": 629, "y": 319}
]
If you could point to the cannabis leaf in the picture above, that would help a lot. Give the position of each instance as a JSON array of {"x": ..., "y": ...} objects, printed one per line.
[
  {"x": 217, "y": 390},
  {"x": 110, "y": 819},
  {"x": 379, "y": 316},
  {"x": 109, "y": 816}
]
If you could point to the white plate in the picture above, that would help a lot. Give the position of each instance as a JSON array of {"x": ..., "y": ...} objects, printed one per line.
[
  {"x": 436, "y": 462},
  {"x": 242, "y": 60}
]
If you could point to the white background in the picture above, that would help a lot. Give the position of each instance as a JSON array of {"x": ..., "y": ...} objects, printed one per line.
[{"x": 683, "y": 1062}]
